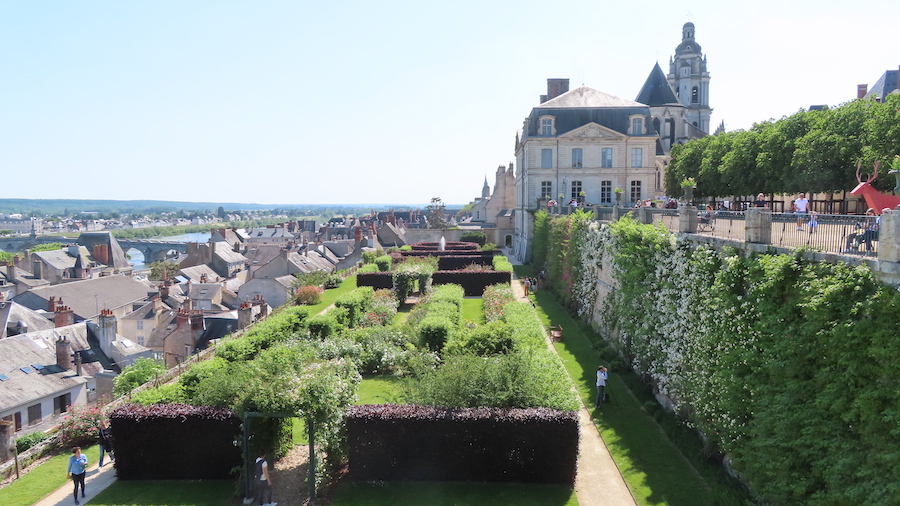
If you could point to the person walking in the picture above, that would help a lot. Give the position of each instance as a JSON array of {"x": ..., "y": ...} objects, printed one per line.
[
  {"x": 77, "y": 464},
  {"x": 263, "y": 482},
  {"x": 526, "y": 284},
  {"x": 801, "y": 207},
  {"x": 105, "y": 441},
  {"x": 602, "y": 376}
]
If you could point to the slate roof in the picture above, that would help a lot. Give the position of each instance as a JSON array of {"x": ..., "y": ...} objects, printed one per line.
[
  {"x": 261, "y": 254},
  {"x": 204, "y": 291},
  {"x": 39, "y": 348},
  {"x": 656, "y": 90},
  {"x": 15, "y": 315},
  {"x": 884, "y": 86},
  {"x": 584, "y": 105},
  {"x": 196, "y": 272},
  {"x": 269, "y": 233},
  {"x": 61, "y": 259},
  {"x": 117, "y": 258},
  {"x": 87, "y": 297},
  {"x": 227, "y": 254}
]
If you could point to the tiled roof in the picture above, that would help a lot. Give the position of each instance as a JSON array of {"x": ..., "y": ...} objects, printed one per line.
[
  {"x": 87, "y": 297},
  {"x": 13, "y": 314},
  {"x": 584, "y": 96}
]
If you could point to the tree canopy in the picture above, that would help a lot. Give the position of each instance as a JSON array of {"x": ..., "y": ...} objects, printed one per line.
[{"x": 809, "y": 151}]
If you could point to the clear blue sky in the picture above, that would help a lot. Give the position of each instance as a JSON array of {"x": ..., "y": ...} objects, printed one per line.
[{"x": 301, "y": 102}]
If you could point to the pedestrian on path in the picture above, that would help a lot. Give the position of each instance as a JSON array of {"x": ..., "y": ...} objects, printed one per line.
[
  {"x": 77, "y": 465},
  {"x": 263, "y": 481},
  {"x": 526, "y": 284},
  {"x": 602, "y": 375},
  {"x": 105, "y": 441}
]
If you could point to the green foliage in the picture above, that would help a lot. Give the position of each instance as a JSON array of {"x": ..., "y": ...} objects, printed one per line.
[
  {"x": 6, "y": 257},
  {"x": 356, "y": 303},
  {"x": 369, "y": 256},
  {"x": 435, "y": 214},
  {"x": 489, "y": 339},
  {"x": 411, "y": 274},
  {"x": 540, "y": 241},
  {"x": 501, "y": 263},
  {"x": 488, "y": 246},
  {"x": 406, "y": 247},
  {"x": 495, "y": 298},
  {"x": 53, "y": 246},
  {"x": 384, "y": 263},
  {"x": 170, "y": 393},
  {"x": 808, "y": 151},
  {"x": 333, "y": 281},
  {"x": 191, "y": 378},
  {"x": 367, "y": 268},
  {"x": 434, "y": 331},
  {"x": 314, "y": 278},
  {"x": 382, "y": 309},
  {"x": 135, "y": 375},
  {"x": 448, "y": 293},
  {"x": 323, "y": 325},
  {"x": 516, "y": 380},
  {"x": 30, "y": 440},
  {"x": 163, "y": 267},
  {"x": 784, "y": 365},
  {"x": 80, "y": 426},
  {"x": 477, "y": 237}
]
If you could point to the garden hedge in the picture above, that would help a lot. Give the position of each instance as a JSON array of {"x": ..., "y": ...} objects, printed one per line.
[
  {"x": 427, "y": 443},
  {"x": 175, "y": 442},
  {"x": 473, "y": 282},
  {"x": 377, "y": 280}
]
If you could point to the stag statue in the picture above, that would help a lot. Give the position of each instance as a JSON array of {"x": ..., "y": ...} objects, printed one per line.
[{"x": 874, "y": 199}]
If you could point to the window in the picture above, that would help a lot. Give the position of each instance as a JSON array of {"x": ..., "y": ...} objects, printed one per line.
[
  {"x": 637, "y": 157},
  {"x": 34, "y": 414},
  {"x": 606, "y": 158},
  {"x": 546, "y": 189},
  {"x": 605, "y": 192},
  {"x": 695, "y": 95},
  {"x": 546, "y": 158},
  {"x": 61, "y": 404},
  {"x": 546, "y": 126},
  {"x": 140, "y": 340},
  {"x": 576, "y": 158},
  {"x": 576, "y": 189},
  {"x": 140, "y": 324},
  {"x": 637, "y": 126},
  {"x": 636, "y": 191}
]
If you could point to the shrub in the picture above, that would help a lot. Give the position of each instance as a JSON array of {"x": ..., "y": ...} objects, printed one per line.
[
  {"x": 170, "y": 393},
  {"x": 333, "y": 281},
  {"x": 382, "y": 309},
  {"x": 476, "y": 237},
  {"x": 192, "y": 377},
  {"x": 367, "y": 268},
  {"x": 495, "y": 297},
  {"x": 136, "y": 374},
  {"x": 308, "y": 295},
  {"x": 489, "y": 246},
  {"x": 356, "y": 303},
  {"x": 80, "y": 427},
  {"x": 484, "y": 340},
  {"x": 501, "y": 263},
  {"x": 434, "y": 331},
  {"x": 323, "y": 325},
  {"x": 384, "y": 263},
  {"x": 448, "y": 293},
  {"x": 30, "y": 440},
  {"x": 315, "y": 278},
  {"x": 369, "y": 256},
  {"x": 406, "y": 247}
]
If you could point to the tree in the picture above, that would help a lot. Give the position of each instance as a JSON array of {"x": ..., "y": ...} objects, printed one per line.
[
  {"x": 161, "y": 268},
  {"x": 435, "y": 216},
  {"x": 135, "y": 375}
]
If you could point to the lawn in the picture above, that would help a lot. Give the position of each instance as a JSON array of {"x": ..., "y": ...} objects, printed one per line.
[
  {"x": 42, "y": 480},
  {"x": 379, "y": 390},
  {"x": 167, "y": 493},
  {"x": 329, "y": 296},
  {"x": 473, "y": 310},
  {"x": 451, "y": 494}
]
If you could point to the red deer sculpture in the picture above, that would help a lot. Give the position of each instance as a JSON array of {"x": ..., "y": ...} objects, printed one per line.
[{"x": 874, "y": 199}]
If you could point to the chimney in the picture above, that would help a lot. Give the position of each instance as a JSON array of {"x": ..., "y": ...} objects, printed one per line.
[
  {"x": 861, "y": 90},
  {"x": 157, "y": 304},
  {"x": 11, "y": 272},
  {"x": 64, "y": 316},
  {"x": 63, "y": 352},
  {"x": 555, "y": 88},
  {"x": 37, "y": 268},
  {"x": 197, "y": 323},
  {"x": 51, "y": 304},
  {"x": 188, "y": 304},
  {"x": 204, "y": 278},
  {"x": 164, "y": 289},
  {"x": 182, "y": 319},
  {"x": 78, "y": 363},
  {"x": 245, "y": 315},
  {"x": 106, "y": 334}
]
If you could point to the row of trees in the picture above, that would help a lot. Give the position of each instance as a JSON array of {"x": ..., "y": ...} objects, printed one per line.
[{"x": 810, "y": 151}]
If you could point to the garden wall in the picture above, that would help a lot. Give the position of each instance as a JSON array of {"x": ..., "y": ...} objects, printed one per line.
[{"x": 402, "y": 442}]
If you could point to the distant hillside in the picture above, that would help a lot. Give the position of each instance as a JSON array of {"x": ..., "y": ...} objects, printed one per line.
[{"x": 73, "y": 206}]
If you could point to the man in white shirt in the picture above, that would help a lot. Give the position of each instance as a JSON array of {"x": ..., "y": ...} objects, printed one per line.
[{"x": 802, "y": 207}]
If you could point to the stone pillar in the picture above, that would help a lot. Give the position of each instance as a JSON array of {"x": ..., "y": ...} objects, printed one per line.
[
  {"x": 687, "y": 219},
  {"x": 889, "y": 237},
  {"x": 758, "y": 226}
]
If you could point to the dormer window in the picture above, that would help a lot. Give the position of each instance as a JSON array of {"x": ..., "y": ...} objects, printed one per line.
[
  {"x": 637, "y": 125},
  {"x": 547, "y": 126}
]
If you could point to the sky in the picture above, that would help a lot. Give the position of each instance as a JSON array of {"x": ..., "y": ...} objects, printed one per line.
[{"x": 361, "y": 102}]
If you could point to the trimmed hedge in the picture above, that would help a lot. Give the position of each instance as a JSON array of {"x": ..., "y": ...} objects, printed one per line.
[
  {"x": 175, "y": 442},
  {"x": 454, "y": 262},
  {"x": 404, "y": 442},
  {"x": 452, "y": 245},
  {"x": 377, "y": 280},
  {"x": 473, "y": 282}
]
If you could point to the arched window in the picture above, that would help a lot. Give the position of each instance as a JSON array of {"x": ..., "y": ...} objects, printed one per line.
[{"x": 695, "y": 95}]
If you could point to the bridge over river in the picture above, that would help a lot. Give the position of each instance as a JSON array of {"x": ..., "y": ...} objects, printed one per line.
[{"x": 152, "y": 249}]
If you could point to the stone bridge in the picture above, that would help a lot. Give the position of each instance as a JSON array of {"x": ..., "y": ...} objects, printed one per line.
[{"x": 153, "y": 250}]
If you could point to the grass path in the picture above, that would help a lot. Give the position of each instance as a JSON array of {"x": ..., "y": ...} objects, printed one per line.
[{"x": 42, "y": 480}]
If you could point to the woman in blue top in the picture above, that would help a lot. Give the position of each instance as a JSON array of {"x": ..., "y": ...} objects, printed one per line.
[{"x": 77, "y": 465}]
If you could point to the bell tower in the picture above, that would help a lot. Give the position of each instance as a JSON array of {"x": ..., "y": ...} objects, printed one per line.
[{"x": 690, "y": 79}]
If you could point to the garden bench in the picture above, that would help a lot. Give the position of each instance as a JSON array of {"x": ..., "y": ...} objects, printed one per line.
[{"x": 556, "y": 333}]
